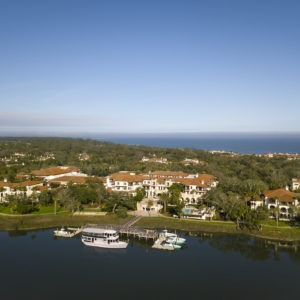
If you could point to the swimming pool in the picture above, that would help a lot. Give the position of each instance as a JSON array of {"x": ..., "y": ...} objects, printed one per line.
[{"x": 187, "y": 211}]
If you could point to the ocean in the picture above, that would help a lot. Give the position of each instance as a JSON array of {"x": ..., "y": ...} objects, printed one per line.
[{"x": 242, "y": 143}]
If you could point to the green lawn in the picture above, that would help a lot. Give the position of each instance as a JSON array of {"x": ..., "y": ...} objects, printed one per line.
[
  {"x": 52, "y": 221},
  {"x": 47, "y": 210},
  {"x": 91, "y": 209},
  {"x": 42, "y": 210},
  {"x": 5, "y": 209}
]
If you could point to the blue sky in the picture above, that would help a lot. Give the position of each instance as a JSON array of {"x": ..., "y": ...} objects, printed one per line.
[{"x": 149, "y": 66}]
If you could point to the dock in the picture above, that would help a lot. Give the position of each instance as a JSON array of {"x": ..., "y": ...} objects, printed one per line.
[
  {"x": 158, "y": 244},
  {"x": 127, "y": 229},
  {"x": 72, "y": 232}
]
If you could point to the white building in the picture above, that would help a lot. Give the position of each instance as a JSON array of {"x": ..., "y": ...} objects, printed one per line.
[
  {"x": 26, "y": 188},
  {"x": 189, "y": 161},
  {"x": 284, "y": 199},
  {"x": 295, "y": 184},
  {"x": 155, "y": 160},
  {"x": 149, "y": 206},
  {"x": 55, "y": 172},
  {"x": 156, "y": 183}
]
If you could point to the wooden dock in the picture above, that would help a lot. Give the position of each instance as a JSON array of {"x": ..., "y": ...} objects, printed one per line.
[
  {"x": 128, "y": 230},
  {"x": 73, "y": 231},
  {"x": 158, "y": 244}
]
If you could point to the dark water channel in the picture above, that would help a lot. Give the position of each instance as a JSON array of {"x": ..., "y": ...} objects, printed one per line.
[{"x": 34, "y": 265}]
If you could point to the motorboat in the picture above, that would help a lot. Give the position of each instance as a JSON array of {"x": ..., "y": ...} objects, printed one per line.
[
  {"x": 100, "y": 237},
  {"x": 63, "y": 233},
  {"x": 173, "y": 238},
  {"x": 170, "y": 246}
]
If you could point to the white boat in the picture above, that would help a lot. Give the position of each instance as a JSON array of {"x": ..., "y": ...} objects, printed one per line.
[
  {"x": 173, "y": 238},
  {"x": 104, "y": 238},
  {"x": 63, "y": 233},
  {"x": 169, "y": 246}
]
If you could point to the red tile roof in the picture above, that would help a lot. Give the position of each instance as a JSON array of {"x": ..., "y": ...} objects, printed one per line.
[
  {"x": 54, "y": 171},
  {"x": 282, "y": 195}
]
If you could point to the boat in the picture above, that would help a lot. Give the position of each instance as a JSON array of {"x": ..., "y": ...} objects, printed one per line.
[
  {"x": 169, "y": 246},
  {"x": 63, "y": 232},
  {"x": 173, "y": 238},
  {"x": 103, "y": 238}
]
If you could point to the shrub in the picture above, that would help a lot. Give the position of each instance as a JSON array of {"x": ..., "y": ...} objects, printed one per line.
[{"x": 121, "y": 212}]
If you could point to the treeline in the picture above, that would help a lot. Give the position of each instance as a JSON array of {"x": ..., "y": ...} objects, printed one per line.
[{"x": 242, "y": 174}]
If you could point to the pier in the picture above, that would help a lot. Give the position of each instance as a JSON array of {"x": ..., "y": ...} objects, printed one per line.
[
  {"x": 158, "y": 244},
  {"x": 72, "y": 232},
  {"x": 127, "y": 229}
]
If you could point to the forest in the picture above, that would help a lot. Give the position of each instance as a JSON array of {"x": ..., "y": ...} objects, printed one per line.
[{"x": 239, "y": 175}]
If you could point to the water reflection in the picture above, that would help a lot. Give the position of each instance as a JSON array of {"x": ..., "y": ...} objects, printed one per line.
[{"x": 255, "y": 249}]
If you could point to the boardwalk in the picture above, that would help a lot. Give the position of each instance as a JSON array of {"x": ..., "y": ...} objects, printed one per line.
[{"x": 128, "y": 230}]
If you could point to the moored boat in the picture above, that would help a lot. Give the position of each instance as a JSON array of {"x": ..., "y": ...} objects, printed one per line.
[
  {"x": 169, "y": 246},
  {"x": 63, "y": 233},
  {"x": 104, "y": 238},
  {"x": 173, "y": 238}
]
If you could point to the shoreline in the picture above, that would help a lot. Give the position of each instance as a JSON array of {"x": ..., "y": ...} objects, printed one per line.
[{"x": 36, "y": 222}]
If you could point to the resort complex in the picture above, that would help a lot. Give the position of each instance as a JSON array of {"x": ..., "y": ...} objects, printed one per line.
[{"x": 154, "y": 184}]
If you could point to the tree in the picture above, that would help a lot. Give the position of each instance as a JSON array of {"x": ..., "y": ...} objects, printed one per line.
[
  {"x": 121, "y": 212},
  {"x": 276, "y": 212},
  {"x": 164, "y": 197},
  {"x": 140, "y": 194},
  {"x": 45, "y": 198},
  {"x": 66, "y": 199},
  {"x": 150, "y": 203}
]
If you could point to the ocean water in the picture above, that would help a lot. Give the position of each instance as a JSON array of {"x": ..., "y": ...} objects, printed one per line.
[{"x": 247, "y": 143}]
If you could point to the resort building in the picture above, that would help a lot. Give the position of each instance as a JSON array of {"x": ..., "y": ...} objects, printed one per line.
[
  {"x": 158, "y": 182},
  {"x": 255, "y": 202},
  {"x": 55, "y": 172},
  {"x": 63, "y": 180},
  {"x": 282, "y": 155},
  {"x": 124, "y": 182},
  {"x": 149, "y": 207},
  {"x": 189, "y": 161},
  {"x": 284, "y": 199},
  {"x": 155, "y": 160},
  {"x": 26, "y": 188},
  {"x": 295, "y": 184},
  {"x": 83, "y": 156}
]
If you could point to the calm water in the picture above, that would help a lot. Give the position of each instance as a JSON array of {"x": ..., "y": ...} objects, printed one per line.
[
  {"x": 248, "y": 143},
  {"x": 34, "y": 265}
]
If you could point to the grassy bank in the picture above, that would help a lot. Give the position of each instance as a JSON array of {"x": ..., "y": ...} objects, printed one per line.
[
  {"x": 50, "y": 221},
  {"x": 292, "y": 234}
]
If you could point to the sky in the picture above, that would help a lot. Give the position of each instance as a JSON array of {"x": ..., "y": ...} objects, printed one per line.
[{"x": 149, "y": 66}]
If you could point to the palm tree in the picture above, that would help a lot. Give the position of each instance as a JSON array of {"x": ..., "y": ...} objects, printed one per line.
[
  {"x": 164, "y": 197},
  {"x": 276, "y": 210}
]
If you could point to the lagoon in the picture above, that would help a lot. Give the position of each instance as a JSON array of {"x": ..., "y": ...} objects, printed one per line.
[{"x": 35, "y": 265}]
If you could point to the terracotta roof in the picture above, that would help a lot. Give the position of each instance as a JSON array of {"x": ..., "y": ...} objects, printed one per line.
[
  {"x": 282, "y": 194},
  {"x": 161, "y": 179},
  {"x": 19, "y": 184},
  {"x": 54, "y": 171},
  {"x": 127, "y": 176},
  {"x": 103, "y": 179},
  {"x": 255, "y": 198},
  {"x": 42, "y": 188},
  {"x": 168, "y": 173},
  {"x": 203, "y": 180},
  {"x": 75, "y": 179}
]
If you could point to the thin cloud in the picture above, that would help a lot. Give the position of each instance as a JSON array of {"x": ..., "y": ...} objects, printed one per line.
[{"x": 41, "y": 120}]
